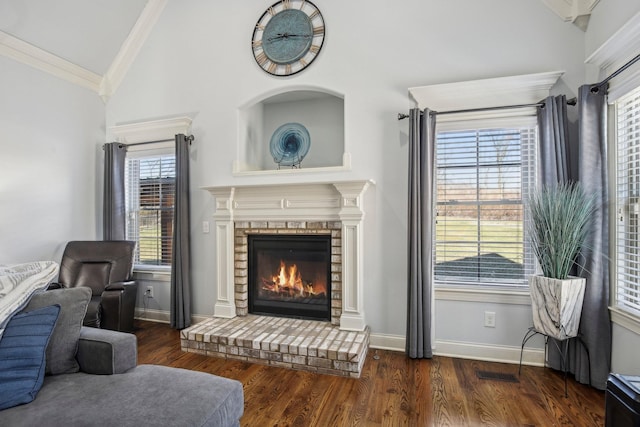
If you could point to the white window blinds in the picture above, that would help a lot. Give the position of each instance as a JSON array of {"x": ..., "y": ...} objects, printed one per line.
[
  {"x": 150, "y": 187},
  {"x": 483, "y": 176},
  {"x": 628, "y": 202}
]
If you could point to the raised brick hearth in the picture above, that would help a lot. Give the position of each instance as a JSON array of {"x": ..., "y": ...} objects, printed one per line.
[{"x": 289, "y": 343}]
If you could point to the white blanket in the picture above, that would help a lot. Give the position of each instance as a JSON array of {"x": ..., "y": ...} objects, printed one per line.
[{"x": 18, "y": 282}]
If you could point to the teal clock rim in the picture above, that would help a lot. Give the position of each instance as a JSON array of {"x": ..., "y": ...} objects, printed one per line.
[{"x": 255, "y": 30}]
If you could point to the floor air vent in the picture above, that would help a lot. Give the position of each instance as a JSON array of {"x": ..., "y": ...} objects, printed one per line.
[{"x": 497, "y": 376}]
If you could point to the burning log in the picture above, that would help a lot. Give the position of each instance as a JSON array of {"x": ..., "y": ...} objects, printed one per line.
[{"x": 288, "y": 283}]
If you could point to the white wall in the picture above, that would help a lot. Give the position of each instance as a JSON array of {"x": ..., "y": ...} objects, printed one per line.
[
  {"x": 49, "y": 133},
  {"x": 604, "y": 23},
  {"x": 625, "y": 350},
  {"x": 198, "y": 61}
]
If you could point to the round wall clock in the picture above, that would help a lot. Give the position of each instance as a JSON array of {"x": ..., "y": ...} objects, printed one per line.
[{"x": 288, "y": 37}]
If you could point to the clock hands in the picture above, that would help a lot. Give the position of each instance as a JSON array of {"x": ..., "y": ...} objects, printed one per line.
[{"x": 281, "y": 36}]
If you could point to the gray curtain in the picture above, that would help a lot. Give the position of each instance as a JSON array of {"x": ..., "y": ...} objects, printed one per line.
[
  {"x": 595, "y": 324},
  {"x": 554, "y": 158},
  {"x": 421, "y": 227},
  {"x": 113, "y": 206},
  {"x": 181, "y": 253},
  {"x": 555, "y": 166}
]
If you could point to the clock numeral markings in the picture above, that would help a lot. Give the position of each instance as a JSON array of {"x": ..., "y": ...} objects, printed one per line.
[
  {"x": 304, "y": 2},
  {"x": 287, "y": 69},
  {"x": 272, "y": 11},
  {"x": 260, "y": 27},
  {"x": 286, "y": 4},
  {"x": 262, "y": 59},
  {"x": 318, "y": 31},
  {"x": 314, "y": 48},
  {"x": 272, "y": 67},
  {"x": 256, "y": 43},
  {"x": 314, "y": 14},
  {"x": 302, "y": 62}
]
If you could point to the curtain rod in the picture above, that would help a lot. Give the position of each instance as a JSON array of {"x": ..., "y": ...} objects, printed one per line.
[
  {"x": 189, "y": 138},
  {"x": 571, "y": 101},
  {"x": 148, "y": 142},
  {"x": 597, "y": 86}
]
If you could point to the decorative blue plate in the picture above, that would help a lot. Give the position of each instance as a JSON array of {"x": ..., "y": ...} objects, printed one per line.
[{"x": 289, "y": 144}]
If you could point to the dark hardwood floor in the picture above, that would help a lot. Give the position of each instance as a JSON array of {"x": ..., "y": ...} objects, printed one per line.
[{"x": 392, "y": 391}]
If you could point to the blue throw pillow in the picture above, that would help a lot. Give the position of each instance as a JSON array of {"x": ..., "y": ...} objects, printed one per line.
[{"x": 22, "y": 355}]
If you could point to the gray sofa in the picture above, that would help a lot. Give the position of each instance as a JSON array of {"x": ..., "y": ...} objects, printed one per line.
[{"x": 110, "y": 390}]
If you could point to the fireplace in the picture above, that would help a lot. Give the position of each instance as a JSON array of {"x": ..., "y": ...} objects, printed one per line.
[
  {"x": 335, "y": 209},
  {"x": 290, "y": 275}
]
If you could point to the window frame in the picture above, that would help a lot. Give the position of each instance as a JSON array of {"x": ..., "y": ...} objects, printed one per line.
[
  {"x": 490, "y": 92},
  {"x": 146, "y": 151},
  {"x": 622, "y": 313},
  {"x": 141, "y": 132},
  {"x": 524, "y": 118}
]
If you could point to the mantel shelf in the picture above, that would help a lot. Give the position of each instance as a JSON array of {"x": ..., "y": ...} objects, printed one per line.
[
  {"x": 277, "y": 172},
  {"x": 265, "y": 190}
]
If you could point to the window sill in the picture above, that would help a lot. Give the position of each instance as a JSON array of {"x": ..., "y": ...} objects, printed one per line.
[
  {"x": 499, "y": 296},
  {"x": 157, "y": 274},
  {"x": 625, "y": 319}
]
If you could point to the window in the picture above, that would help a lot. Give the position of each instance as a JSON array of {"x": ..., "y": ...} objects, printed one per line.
[
  {"x": 627, "y": 131},
  {"x": 150, "y": 187},
  {"x": 482, "y": 178}
]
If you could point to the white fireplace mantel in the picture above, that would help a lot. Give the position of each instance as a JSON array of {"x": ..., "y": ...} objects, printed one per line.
[{"x": 327, "y": 201}]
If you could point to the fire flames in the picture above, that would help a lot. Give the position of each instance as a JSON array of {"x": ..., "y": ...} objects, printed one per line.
[{"x": 288, "y": 281}]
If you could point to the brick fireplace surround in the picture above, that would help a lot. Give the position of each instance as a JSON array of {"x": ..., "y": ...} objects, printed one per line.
[
  {"x": 245, "y": 228},
  {"x": 338, "y": 347}
]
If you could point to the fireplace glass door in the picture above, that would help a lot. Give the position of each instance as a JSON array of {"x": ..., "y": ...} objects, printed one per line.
[{"x": 290, "y": 275}]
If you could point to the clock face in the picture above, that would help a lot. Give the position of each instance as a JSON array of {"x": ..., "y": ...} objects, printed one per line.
[{"x": 288, "y": 37}]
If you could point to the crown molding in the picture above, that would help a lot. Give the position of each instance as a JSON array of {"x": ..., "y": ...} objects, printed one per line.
[
  {"x": 130, "y": 48},
  {"x": 575, "y": 11},
  {"x": 623, "y": 45},
  {"x": 620, "y": 48},
  {"x": 495, "y": 92},
  {"x": 33, "y": 56},
  {"x": 153, "y": 130}
]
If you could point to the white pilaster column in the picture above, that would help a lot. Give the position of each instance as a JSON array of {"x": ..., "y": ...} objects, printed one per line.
[
  {"x": 352, "y": 215},
  {"x": 225, "y": 305}
]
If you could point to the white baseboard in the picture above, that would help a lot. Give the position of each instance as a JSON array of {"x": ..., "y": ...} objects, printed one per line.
[
  {"x": 151, "y": 315},
  {"x": 490, "y": 353},
  {"x": 387, "y": 342},
  {"x": 465, "y": 350},
  {"x": 163, "y": 316}
]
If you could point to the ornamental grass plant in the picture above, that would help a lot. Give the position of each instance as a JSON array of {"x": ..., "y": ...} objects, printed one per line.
[{"x": 559, "y": 219}]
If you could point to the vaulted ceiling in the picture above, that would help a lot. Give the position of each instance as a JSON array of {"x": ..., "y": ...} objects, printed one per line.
[
  {"x": 88, "y": 42},
  {"x": 93, "y": 42},
  {"x": 86, "y": 33}
]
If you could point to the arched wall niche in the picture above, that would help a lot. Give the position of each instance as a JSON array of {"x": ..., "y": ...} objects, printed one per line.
[{"x": 319, "y": 110}]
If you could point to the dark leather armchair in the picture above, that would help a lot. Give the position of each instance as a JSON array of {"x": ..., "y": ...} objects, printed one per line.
[{"x": 106, "y": 267}]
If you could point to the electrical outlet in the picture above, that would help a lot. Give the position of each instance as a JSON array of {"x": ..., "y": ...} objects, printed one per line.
[
  {"x": 489, "y": 319},
  {"x": 149, "y": 292}
]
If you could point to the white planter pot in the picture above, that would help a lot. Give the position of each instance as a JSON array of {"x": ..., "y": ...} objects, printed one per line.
[{"x": 557, "y": 305}]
